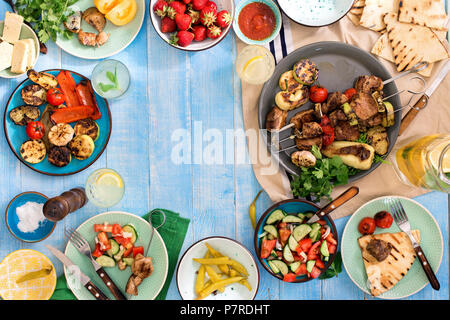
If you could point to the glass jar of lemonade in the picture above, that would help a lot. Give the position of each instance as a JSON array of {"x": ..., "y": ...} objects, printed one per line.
[
  {"x": 425, "y": 162},
  {"x": 255, "y": 64},
  {"x": 105, "y": 187}
]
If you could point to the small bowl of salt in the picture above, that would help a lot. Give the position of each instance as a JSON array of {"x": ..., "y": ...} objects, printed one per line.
[{"x": 25, "y": 217}]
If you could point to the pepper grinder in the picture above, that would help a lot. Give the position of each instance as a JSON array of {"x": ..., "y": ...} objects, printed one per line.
[{"x": 57, "y": 208}]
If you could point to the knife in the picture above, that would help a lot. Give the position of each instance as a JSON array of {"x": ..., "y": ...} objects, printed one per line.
[
  {"x": 76, "y": 272},
  {"x": 423, "y": 101}
]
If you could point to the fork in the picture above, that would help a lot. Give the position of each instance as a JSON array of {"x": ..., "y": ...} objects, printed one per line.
[
  {"x": 401, "y": 219},
  {"x": 83, "y": 247}
]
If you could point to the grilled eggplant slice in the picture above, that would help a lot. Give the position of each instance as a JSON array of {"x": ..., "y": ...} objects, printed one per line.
[
  {"x": 354, "y": 154},
  {"x": 290, "y": 100},
  {"x": 288, "y": 83},
  {"x": 60, "y": 134},
  {"x": 45, "y": 80},
  {"x": 34, "y": 95},
  {"x": 305, "y": 72},
  {"x": 88, "y": 127},
  {"x": 378, "y": 139},
  {"x": 59, "y": 156},
  {"x": 24, "y": 114},
  {"x": 33, "y": 151},
  {"x": 82, "y": 147}
]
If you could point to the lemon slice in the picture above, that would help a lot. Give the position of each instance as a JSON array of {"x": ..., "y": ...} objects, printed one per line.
[
  {"x": 252, "y": 61},
  {"x": 436, "y": 154},
  {"x": 110, "y": 179}
]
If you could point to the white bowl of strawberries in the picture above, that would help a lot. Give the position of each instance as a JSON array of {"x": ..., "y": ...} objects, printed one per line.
[{"x": 192, "y": 25}]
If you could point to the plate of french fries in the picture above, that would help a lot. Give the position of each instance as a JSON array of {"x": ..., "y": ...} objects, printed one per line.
[{"x": 217, "y": 268}]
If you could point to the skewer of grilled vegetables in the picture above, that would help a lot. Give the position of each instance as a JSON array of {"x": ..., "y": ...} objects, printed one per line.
[
  {"x": 388, "y": 115},
  {"x": 288, "y": 83},
  {"x": 23, "y": 114},
  {"x": 286, "y": 100},
  {"x": 305, "y": 72}
]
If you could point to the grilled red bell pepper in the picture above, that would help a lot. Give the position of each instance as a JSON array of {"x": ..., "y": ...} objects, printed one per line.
[
  {"x": 68, "y": 85},
  {"x": 128, "y": 249},
  {"x": 72, "y": 114},
  {"x": 103, "y": 239},
  {"x": 86, "y": 96}
]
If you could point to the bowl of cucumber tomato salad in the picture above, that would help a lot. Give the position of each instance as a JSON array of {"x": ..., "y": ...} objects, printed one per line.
[{"x": 291, "y": 249}]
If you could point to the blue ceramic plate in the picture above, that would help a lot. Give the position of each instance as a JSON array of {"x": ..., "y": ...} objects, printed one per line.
[
  {"x": 45, "y": 228},
  {"x": 16, "y": 136},
  {"x": 241, "y": 36},
  {"x": 315, "y": 13},
  {"x": 291, "y": 206}
]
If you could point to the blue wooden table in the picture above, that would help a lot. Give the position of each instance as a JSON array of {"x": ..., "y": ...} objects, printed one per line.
[{"x": 174, "y": 93}]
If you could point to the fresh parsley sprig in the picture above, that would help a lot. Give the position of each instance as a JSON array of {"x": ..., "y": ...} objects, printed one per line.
[{"x": 334, "y": 269}]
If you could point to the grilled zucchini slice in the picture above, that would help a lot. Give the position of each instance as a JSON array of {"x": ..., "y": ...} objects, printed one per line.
[
  {"x": 88, "y": 127},
  {"x": 288, "y": 83},
  {"x": 33, "y": 151},
  {"x": 305, "y": 72},
  {"x": 34, "y": 95},
  {"x": 24, "y": 114},
  {"x": 82, "y": 147},
  {"x": 45, "y": 80},
  {"x": 287, "y": 101}
]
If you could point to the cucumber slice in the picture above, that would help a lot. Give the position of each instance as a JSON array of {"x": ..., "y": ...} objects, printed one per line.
[
  {"x": 130, "y": 229},
  {"x": 310, "y": 265},
  {"x": 301, "y": 216},
  {"x": 292, "y": 243},
  {"x": 301, "y": 231},
  {"x": 128, "y": 261},
  {"x": 119, "y": 255},
  {"x": 315, "y": 230},
  {"x": 273, "y": 267},
  {"x": 287, "y": 254},
  {"x": 106, "y": 261},
  {"x": 275, "y": 216},
  {"x": 282, "y": 267},
  {"x": 294, "y": 266},
  {"x": 291, "y": 218},
  {"x": 324, "y": 249},
  {"x": 114, "y": 248},
  {"x": 274, "y": 254},
  {"x": 271, "y": 230},
  {"x": 308, "y": 214}
]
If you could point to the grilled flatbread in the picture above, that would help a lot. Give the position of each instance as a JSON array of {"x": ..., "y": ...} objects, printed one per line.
[
  {"x": 412, "y": 44},
  {"x": 358, "y": 7},
  {"x": 354, "y": 18},
  {"x": 430, "y": 13},
  {"x": 374, "y": 11},
  {"x": 384, "y": 275}
]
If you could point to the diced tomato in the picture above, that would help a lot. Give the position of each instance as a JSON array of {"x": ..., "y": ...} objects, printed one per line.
[
  {"x": 267, "y": 247},
  {"x": 97, "y": 252},
  {"x": 102, "y": 227},
  {"x": 320, "y": 264},
  {"x": 305, "y": 244},
  {"x": 289, "y": 277},
  {"x": 314, "y": 251},
  {"x": 315, "y": 272},
  {"x": 137, "y": 250},
  {"x": 301, "y": 270},
  {"x": 128, "y": 249},
  {"x": 331, "y": 248},
  {"x": 103, "y": 239},
  {"x": 322, "y": 222},
  {"x": 116, "y": 229},
  {"x": 330, "y": 239},
  {"x": 121, "y": 240},
  {"x": 284, "y": 235},
  {"x": 297, "y": 257}
]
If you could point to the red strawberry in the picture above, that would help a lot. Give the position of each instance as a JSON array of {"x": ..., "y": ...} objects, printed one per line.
[
  {"x": 223, "y": 19},
  {"x": 208, "y": 16},
  {"x": 195, "y": 16},
  {"x": 198, "y": 4},
  {"x": 168, "y": 25},
  {"x": 213, "y": 32},
  {"x": 212, "y": 5},
  {"x": 160, "y": 8},
  {"x": 187, "y": 1},
  {"x": 182, "y": 38},
  {"x": 183, "y": 21},
  {"x": 199, "y": 33},
  {"x": 174, "y": 8}
]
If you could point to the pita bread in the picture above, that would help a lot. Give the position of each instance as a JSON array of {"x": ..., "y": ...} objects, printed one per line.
[
  {"x": 429, "y": 13},
  {"x": 374, "y": 11},
  {"x": 354, "y": 18},
  {"x": 384, "y": 275},
  {"x": 412, "y": 44},
  {"x": 358, "y": 7}
]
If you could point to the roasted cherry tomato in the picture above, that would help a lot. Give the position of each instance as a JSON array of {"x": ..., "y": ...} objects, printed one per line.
[
  {"x": 328, "y": 135},
  {"x": 324, "y": 121},
  {"x": 35, "y": 130},
  {"x": 383, "y": 219},
  {"x": 318, "y": 94},
  {"x": 349, "y": 93},
  {"x": 55, "y": 97},
  {"x": 367, "y": 226}
]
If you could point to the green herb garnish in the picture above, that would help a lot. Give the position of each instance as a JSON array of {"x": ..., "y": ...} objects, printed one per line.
[
  {"x": 334, "y": 269},
  {"x": 113, "y": 78}
]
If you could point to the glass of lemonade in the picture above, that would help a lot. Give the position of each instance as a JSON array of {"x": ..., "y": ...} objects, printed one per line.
[
  {"x": 110, "y": 78},
  {"x": 105, "y": 187},
  {"x": 425, "y": 162},
  {"x": 255, "y": 64}
]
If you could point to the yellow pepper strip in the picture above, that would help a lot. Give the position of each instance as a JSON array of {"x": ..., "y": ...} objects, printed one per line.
[
  {"x": 239, "y": 267},
  {"x": 216, "y": 254},
  {"x": 244, "y": 282},
  {"x": 252, "y": 210},
  {"x": 221, "y": 260},
  {"x": 213, "y": 276},
  {"x": 200, "y": 281},
  {"x": 213, "y": 287}
]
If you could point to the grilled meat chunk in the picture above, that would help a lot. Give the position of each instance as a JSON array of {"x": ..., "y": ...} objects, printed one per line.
[
  {"x": 334, "y": 101},
  {"x": 95, "y": 18},
  {"x": 92, "y": 39},
  {"x": 311, "y": 130},
  {"x": 302, "y": 117},
  {"x": 379, "y": 249},
  {"x": 141, "y": 268},
  {"x": 364, "y": 105},
  {"x": 276, "y": 119},
  {"x": 372, "y": 122},
  {"x": 307, "y": 144},
  {"x": 336, "y": 116},
  {"x": 345, "y": 132},
  {"x": 368, "y": 84},
  {"x": 73, "y": 22}
]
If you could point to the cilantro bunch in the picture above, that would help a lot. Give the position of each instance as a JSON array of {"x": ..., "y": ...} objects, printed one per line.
[{"x": 46, "y": 16}]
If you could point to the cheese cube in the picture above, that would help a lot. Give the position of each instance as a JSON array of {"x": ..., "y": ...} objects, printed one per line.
[
  {"x": 31, "y": 52},
  {"x": 12, "y": 27},
  {"x": 20, "y": 57},
  {"x": 6, "y": 51}
]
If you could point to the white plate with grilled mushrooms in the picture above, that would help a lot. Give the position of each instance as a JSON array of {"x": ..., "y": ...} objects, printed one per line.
[{"x": 98, "y": 31}]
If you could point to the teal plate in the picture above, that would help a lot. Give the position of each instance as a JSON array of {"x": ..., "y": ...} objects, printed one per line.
[
  {"x": 119, "y": 36},
  {"x": 431, "y": 243},
  {"x": 16, "y": 136},
  {"x": 149, "y": 288}
]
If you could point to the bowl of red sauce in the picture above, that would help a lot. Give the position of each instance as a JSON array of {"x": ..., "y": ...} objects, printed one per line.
[{"x": 257, "y": 21}]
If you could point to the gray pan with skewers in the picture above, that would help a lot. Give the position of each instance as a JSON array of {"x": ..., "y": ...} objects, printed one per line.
[{"x": 339, "y": 67}]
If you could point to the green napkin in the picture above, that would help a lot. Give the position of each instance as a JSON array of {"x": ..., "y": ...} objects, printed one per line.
[{"x": 173, "y": 233}]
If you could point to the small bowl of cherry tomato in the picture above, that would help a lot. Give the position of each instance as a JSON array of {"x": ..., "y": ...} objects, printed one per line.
[{"x": 291, "y": 249}]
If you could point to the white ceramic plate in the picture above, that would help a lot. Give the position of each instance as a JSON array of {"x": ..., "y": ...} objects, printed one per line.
[{"x": 187, "y": 269}]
